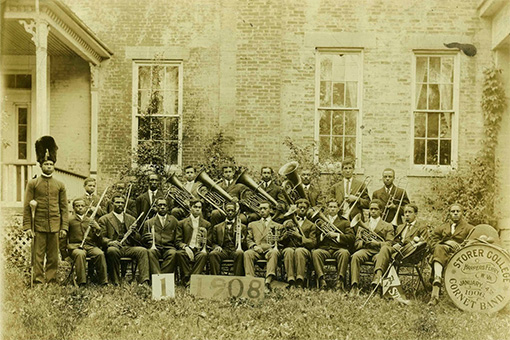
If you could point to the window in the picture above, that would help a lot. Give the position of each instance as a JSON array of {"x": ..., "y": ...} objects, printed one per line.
[
  {"x": 22, "y": 132},
  {"x": 338, "y": 104},
  {"x": 18, "y": 81},
  {"x": 434, "y": 110},
  {"x": 157, "y": 111}
]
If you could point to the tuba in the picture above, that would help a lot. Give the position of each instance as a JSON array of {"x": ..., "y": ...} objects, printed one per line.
[
  {"x": 179, "y": 194},
  {"x": 211, "y": 192},
  {"x": 292, "y": 187},
  {"x": 252, "y": 198}
]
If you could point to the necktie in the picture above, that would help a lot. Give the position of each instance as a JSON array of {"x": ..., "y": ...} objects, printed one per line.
[
  {"x": 454, "y": 225},
  {"x": 152, "y": 196},
  {"x": 406, "y": 231}
]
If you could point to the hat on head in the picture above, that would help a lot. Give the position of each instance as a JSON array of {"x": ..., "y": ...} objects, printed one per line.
[{"x": 46, "y": 149}]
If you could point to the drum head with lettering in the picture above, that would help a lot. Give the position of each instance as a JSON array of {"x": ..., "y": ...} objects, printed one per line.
[{"x": 477, "y": 278}]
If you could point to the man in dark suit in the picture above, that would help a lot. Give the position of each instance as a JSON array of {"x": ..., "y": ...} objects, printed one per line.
[
  {"x": 311, "y": 190},
  {"x": 445, "y": 240},
  {"x": 192, "y": 240},
  {"x": 162, "y": 229},
  {"x": 225, "y": 242},
  {"x": 120, "y": 187},
  {"x": 407, "y": 232},
  {"x": 145, "y": 200},
  {"x": 381, "y": 233},
  {"x": 392, "y": 197},
  {"x": 191, "y": 186},
  {"x": 349, "y": 190},
  {"x": 78, "y": 225},
  {"x": 275, "y": 191},
  {"x": 298, "y": 242},
  {"x": 261, "y": 245},
  {"x": 114, "y": 227},
  {"x": 333, "y": 245},
  {"x": 50, "y": 219},
  {"x": 233, "y": 189}
]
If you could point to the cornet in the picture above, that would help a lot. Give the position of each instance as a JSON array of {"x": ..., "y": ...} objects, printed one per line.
[
  {"x": 348, "y": 209},
  {"x": 153, "y": 232},
  {"x": 322, "y": 223},
  {"x": 238, "y": 234},
  {"x": 273, "y": 236},
  {"x": 202, "y": 239}
]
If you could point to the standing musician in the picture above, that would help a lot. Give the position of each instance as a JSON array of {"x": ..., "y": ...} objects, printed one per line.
[
  {"x": 160, "y": 233},
  {"x": 407, "y": 232},
  {"x": 350, "y": 190},
  {"x": 45, "y": 213},
  {"x": 311, "y": 190},
  {"x": 275, "y": 191},
  {"x": 445, "y": 240},
  {"x": 262, "y": 244},
  {"x": 370, "y": 239},
  {"x": 393, "y": 197},
  {"x": 192, "y": 238},
  {"x": 91, "y": 198},
  {"x": 145, "y": 200},
  {"x": 78, "y": 225},
  {"x": 333, "y": 245},
  {"x": 120, "y": 187},
  {"x": 114, "y": 227},
  {"x": 233, "y": 189},
  {"x": 227, "y": 243},
  {"x": 191, "y": 186},
  {"x": 298, "y": 242}
]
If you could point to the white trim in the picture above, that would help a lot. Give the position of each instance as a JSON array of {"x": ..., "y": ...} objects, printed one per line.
[{"x": 435, "y": 170}]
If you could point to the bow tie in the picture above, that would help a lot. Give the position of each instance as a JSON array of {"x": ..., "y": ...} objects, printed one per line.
[
  {"x": 229, "y": 222},
  {"x": 299, "y": 218}
]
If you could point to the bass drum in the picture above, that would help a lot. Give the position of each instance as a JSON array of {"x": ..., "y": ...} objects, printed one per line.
[{"x": 477, "y": 278}]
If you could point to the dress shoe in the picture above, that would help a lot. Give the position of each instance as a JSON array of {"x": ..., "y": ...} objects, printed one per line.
[
  {"x": 437, "y": 281},
  {"x": 433, "y": 301},
  {"x": 323, "y": 285},
  {"x": 300, "y": 283},
  {"x": 340, "y": 287},
  {"x": 354, "y": 291},
  {"x": 267, "y": 287}
]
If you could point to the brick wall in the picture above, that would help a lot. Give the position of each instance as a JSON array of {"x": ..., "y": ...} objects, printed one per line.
[{"x": 249, "y": 69}]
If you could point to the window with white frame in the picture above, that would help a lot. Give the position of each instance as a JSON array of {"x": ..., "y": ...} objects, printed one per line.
[
  {"x": 157, "y": 111},
  {"x": 338, "y": 104},
  {"x": 435, "y": 109}
]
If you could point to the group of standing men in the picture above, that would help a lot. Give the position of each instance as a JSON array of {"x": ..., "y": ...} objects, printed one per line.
[{"x": 161, "y": 236}]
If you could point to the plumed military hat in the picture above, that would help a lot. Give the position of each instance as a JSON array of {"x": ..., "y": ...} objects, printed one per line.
[{"x": 46, "y": 149}]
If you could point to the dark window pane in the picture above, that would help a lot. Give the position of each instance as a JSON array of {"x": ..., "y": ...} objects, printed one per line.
[
  {"x": 337, "y": 148},
  {"x": 432, "y": 151},
  {"x": 171, "y": 129},
  {"x": 23, "y": 81},
  {"x": 445, "y": 152},
  {"x": 325, "y": 122},
  {"x": 419, "y": 124},
  {"x": 338, "y": 94},
  {"x": 144, "y": 128},
  {"x": 22, "y": 151},
  {"x": 446, "y": 125},
  {"x": 22, "y": 133},
  {"x": 350, "y": 147},
  {"x": 338, "y": 123},
  {"x": 419, "y": 151},
  {"x": 22, "y": 115},
  {"x": 157, "y": 128},
  {"x": 158, "y": 76},
  {"x": 324, "y": 147},
  {"x": 156, "y": 103},
  {"x": 171, "y": 153},
  {"x": 325, "y": 93},
  {"x": 433, "y": 97},
  {"x": 10, "y": 81},
  {"x": 433, "y": 125},
  {"x": 350, "y": 122}
]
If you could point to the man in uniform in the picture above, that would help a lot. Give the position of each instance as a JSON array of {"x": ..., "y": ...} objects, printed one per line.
[
  {"x": 50, "y": 219},
  {"x": 392, "y": 197},
  {"x": 445, "y": 241},
  {"x": 333, "y": 245}
]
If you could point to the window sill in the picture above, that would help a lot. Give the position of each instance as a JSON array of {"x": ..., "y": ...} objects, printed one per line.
[{"x": 434, "y": 171}]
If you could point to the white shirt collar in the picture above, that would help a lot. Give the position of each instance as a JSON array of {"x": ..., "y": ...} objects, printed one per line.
[
  {"x": 120, "y": 216},
  {"x": 47, "y": 176}
]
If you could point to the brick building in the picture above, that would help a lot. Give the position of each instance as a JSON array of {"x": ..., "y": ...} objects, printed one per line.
[{"x": 370, "y": 79}]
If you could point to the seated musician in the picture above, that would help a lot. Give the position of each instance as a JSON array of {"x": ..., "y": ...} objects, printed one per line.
[
  {"x": 262, "y": 244},
  {"x": 349, "y": 190},
  {"x": 226, "y": 242},
  {"x": 192, "y": 238},
  {"x": 298, "y": 242},
  {"x": 233, "y": 189},
  {"x": 333, "y": 245},
  {"x": 445, "y": 240},
  {"x": 120, "y": 187},
  {"x": 162, "y": 229},
  {"x": 115, "y": 226},
  {"x": 312, "y": 191},
  {"x": 78, "y": 225},
  {"x": 392, "y": 197},
  {"x": 191, "y": 186},
  {"x": 410, "y": 231},
  {"x": 369, "y": 240}
]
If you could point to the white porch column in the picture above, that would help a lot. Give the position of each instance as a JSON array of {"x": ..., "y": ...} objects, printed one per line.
[
  {"x": 94, "y": 110},
  {"x": 39, "y": 31}
]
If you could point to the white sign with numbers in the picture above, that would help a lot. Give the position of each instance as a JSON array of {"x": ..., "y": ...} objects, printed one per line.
[
  {"x": 163, "y": 286},
  {"x": 221, "y": 287}
]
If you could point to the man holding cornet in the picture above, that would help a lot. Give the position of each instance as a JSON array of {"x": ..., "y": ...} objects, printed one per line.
[
  {"x": 121, "y": 237},
  {"x": 83, "y": 244},
  {"x": 192, "y": 239},
  {"x": 228, "y": 240},
  {"x": 369, "y": 240},
  {"x": 333, "y": 241}
]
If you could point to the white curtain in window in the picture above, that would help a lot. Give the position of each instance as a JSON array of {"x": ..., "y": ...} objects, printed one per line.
[{"x": 421, "y": 70}]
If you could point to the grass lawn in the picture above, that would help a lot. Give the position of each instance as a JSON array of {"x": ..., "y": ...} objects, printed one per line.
[{"x": 127, "y": 312}]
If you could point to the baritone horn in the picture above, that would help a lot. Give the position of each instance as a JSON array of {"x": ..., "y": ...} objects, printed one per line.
[
  {"x": 321, "y": 222},
  {"x": 211, "y": 192},
  {"x": 179, "y": 193},
  {"x": 293, "y": 186},
  {"x": 251, "y": 199},
  {"x": 366, "y": 234},
  {"x": 359, "y": 192}
]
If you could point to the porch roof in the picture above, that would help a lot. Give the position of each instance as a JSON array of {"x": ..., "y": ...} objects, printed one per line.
[{"x": 68, "y": 35}]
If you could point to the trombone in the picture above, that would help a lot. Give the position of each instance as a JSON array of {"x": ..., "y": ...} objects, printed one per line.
[
  {"x": 347, "y": 211},
  {"x": 92, "y": 217},
  {"x": 391, "y": 199}
]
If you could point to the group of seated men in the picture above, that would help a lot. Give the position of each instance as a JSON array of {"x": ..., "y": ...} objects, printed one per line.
[{"x": 160, "y": 236}]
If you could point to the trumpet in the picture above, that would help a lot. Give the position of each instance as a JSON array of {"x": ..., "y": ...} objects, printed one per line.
[
  {"x": 251, "y": 198},
  {"x": 179, "y": 193},
  {"x": 273, "y": 236},
  {"x": 346, "y": 208},
  {"x": 239, "y": 235},
  {"x": 322, "y": 223},
  {"x": 293, "y": 186},
  {"x": 391, "y": 199},
  {"x": 153, "y": 234},
  {"x": 202, "y": 239},
  {"x": 211, "y": 192}
]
